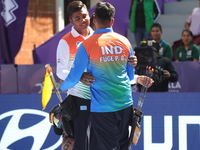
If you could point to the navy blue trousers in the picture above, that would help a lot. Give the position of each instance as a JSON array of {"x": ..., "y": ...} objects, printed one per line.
[
  {"x": 110, "y": 130},
  {"x": 80, "y": 122}
]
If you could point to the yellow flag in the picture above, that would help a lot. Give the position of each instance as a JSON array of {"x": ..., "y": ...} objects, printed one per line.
[{"x": 47, "y": 88}]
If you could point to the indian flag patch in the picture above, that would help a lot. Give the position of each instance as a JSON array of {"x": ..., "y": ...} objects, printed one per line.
[{"x": 58, "y": 61}]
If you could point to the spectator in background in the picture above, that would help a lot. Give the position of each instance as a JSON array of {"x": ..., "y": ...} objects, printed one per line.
[
  {"x": 165, "y": 48},
  {"x": 143, "y": 13},
  {"x": 193, "y": 23},
  {"x": 188, "y": 51}
]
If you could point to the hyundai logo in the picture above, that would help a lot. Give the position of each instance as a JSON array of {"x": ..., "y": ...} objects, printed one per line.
[{"x": 28, "y": 127}]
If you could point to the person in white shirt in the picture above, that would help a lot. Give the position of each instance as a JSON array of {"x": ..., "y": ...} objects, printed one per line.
[
  {"x": 66, "y": 51},
  {"x": 193, "y": 24}
]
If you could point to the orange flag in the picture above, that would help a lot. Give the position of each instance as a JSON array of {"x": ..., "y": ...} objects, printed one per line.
[{"x": 47, "y": 88}]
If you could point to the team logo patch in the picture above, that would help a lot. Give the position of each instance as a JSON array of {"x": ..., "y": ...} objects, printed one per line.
[{"x": 78, "y": 43}]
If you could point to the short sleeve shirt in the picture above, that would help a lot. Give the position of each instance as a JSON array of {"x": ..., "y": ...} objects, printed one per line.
[{"x": 188, "y": 55}]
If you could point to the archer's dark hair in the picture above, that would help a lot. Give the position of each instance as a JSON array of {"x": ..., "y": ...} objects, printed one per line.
[
  {"x": 91, "y": 21},
  {"x": 157, "y": 25},
  {"x": 104, "y": 12},
  {"x": 74, "y": 6}
]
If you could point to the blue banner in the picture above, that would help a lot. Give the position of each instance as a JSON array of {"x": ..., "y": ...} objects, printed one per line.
[
  {"x": 171, "y": 121},
  {"x": 24, "y": 125},
  {"x": 12, "y": 20}
]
